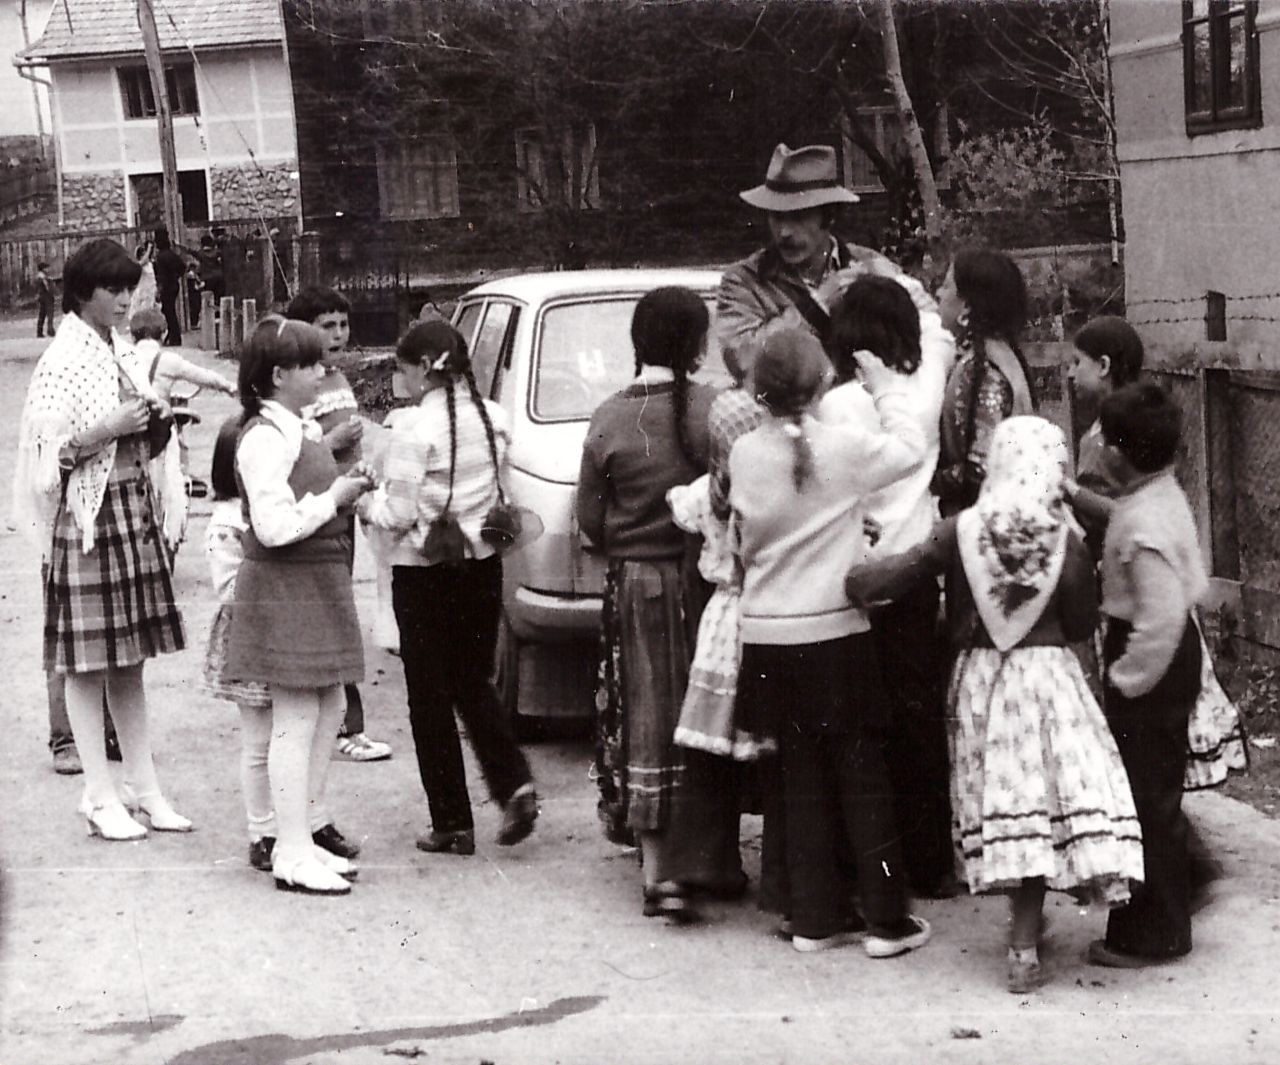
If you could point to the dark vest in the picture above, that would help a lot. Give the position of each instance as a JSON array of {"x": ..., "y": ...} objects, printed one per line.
[{"x": 313, "y": 473}]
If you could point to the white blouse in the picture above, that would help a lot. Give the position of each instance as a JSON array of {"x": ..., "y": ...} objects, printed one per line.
[{"x": 264, "y": 458}]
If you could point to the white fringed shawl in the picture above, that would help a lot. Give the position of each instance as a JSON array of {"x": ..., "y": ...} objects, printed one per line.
[{"x": 75, "y": 385}]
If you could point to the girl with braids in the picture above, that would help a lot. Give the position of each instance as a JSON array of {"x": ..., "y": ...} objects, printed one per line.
[
  {"x": 810, "y": 675},
  {"x": 983, "y": 301},
  {"x": 650, "y": 437},
  {"x": 296, "y": 510},
  {"x": 442, "y": 468}
]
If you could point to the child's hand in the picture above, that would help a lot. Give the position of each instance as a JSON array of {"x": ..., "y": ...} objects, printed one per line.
[
  {"x": 875, "y": 374},
  {"x": 129, "y": 417},
  {"x": 229, "y": 387},
  {"x": 365, "y": 470},
  {"x": 348, "y": 488}
]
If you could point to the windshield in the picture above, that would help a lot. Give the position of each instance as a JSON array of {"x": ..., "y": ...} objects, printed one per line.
[{"x": 585, "y": 355}]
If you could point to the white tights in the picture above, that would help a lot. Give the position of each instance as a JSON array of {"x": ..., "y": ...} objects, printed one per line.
[
  {"x": 303, "y": 724},
  {"x": 128, "y": 704},
  {"x": 255, "y": 780}
]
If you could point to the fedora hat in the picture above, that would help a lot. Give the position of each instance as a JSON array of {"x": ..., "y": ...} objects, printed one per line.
[{"x": 800, "y": 179}]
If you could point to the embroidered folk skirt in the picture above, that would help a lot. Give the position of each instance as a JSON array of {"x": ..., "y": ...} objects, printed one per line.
[
  {"x": 1038, "y": 787},
  {"x": 647, "y": 782},
  {"x": 1215, "y": 738},
  {"x": 708, "y": 718},
  {"x": 112, "y": 607},
  {"x": 216, "y": 682}
]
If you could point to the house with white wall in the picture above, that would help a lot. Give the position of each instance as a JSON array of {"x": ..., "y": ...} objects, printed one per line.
[
  {"x": 227, "y": 74},
  {"x": 1197, "y": 107}
]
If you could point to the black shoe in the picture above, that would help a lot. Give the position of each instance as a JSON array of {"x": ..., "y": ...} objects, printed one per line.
[
  {"x": 328, "y": 837},
  {"x": 518, "y": 816},
  {"x": 671, "y": 900},
  {"x": 461, "y": 842},
  {"x": 260, "y": 852}
]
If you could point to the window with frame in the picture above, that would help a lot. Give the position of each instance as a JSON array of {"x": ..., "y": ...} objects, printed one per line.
[
  {"x": 140, "y": 102},
  {"x": 1220, "y": 65},
  {"x": 418, "y": 178},
  {"x": 569, "y": 166},
  {"x": 881, "y": 120}
]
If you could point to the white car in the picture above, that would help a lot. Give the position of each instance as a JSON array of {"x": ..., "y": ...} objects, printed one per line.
[{"x": 550, "y": 348}]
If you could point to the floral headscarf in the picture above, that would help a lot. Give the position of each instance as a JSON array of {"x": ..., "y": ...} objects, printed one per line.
[{"x": 1014, "y": 539}]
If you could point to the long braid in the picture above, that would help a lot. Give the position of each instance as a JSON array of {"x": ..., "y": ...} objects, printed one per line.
[
  {"x": 489, "y": 433},
  {"x": 680, "y": 409},
  {"x": 453, "y": 436}
]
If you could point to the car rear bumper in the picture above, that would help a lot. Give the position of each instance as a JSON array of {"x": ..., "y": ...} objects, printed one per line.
[{"x": 543, "y": 616}]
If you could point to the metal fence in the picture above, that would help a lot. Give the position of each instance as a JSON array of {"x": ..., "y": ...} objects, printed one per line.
[
  {"x": 20, "y": 256},
  {"x": 1228, "y": 464}
]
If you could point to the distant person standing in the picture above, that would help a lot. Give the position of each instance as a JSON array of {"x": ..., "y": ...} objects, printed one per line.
[
  {"x": 44, "y": 300},
  {"x": 170, "y": 270}
]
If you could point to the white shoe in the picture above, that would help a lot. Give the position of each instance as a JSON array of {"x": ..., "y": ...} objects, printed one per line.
[
  {"x": 884, "y": 947},
  {"x": 309, "y": 877},
  {"x": 110, "y": 821},
  {"x": 163, "y": 817},
  {"x": 335, "y": 863},
  {"x": 360, "y": 748}
]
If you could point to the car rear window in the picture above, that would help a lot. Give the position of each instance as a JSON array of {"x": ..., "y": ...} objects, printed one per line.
[{"x": 585, "y": 355}]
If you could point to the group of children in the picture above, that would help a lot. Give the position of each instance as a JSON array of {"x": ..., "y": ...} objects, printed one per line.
[
  {"x": 281, "y": 536},
  {"x": 1049, "y": 790},
  {"x": 816, "y": 518}
]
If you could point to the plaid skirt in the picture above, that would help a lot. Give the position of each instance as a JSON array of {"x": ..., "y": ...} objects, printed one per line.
[{"x": 113, "y": 607}]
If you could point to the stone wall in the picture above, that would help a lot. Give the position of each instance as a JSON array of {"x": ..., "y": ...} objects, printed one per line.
[
  {"x": 247, "y": 191},
  {"x": 93, "y": 201}
]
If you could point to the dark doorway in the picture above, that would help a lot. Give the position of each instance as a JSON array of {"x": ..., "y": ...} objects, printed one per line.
[{"x": 148, "y": 198}]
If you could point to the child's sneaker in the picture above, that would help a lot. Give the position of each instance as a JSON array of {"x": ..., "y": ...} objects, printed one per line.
[
  {"x": 360, "y": 748},
  {"x": 878, "y": 946}
]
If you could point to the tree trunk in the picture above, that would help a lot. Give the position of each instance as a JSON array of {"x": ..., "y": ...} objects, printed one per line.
[{"x": 916, "y": 150}]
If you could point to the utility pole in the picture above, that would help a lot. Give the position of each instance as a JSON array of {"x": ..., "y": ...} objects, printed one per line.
[
  {"x": 35, "y": 85},
  {"x": 164, "y": 119}
]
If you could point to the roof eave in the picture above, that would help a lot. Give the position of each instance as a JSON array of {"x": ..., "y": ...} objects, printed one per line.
[{"x": 34, "y": 58}]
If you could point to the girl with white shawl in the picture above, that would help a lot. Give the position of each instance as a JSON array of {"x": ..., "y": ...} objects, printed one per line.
[
  {"x": 88, "y": 429},
  {"x": 1040, "y": 795}
]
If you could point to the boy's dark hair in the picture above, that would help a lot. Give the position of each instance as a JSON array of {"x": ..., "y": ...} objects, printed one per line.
[
  {"x": 311, "y": 303},
  {"x": 148, "y": 324},
  {"x": 42, "y": 265},
  {"x": 101, "y": 263},
  {"x": 1119, "y": 341},
  {"x": 668, "y": 328},
  {"x": 276, "y": 342},
  {"x": 162, "y": 241},
  {"x": 1142, "y": 421},
  {"x": 222, "y": 470},
  {"x": 874, "y": 314}
]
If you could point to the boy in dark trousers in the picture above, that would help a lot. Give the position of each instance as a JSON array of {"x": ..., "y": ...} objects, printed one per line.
[
  {"x": 336, "y": 410},
  {"x": 44, "y": 300},
  {"x": 1152, "y": 578}
]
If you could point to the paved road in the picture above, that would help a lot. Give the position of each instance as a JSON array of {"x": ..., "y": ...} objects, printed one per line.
[{"x": 174, "y": 951}]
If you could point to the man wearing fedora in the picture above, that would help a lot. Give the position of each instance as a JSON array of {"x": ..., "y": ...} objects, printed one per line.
[{"x": 796, "y": 278}]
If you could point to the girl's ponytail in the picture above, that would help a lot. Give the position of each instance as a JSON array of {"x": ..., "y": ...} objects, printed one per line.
[{"x": 802, "y": 467}]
